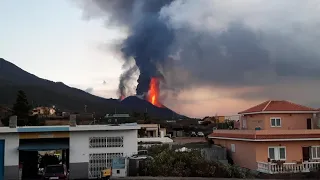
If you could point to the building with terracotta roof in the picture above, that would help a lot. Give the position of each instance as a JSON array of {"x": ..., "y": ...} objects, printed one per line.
[{"x": 275, "y": 136}]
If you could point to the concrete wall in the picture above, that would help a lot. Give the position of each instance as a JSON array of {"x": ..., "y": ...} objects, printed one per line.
[
  {"x": 11, "y": 159},
  {"x": 214, "y": 153},
  {"x": 79, "y": 148}
]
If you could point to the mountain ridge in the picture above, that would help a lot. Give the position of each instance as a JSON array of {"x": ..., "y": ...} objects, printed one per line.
[{"x": 47, "y": 93}]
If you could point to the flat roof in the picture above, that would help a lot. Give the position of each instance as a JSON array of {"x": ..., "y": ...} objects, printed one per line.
[{"x": 128, "y": 126}]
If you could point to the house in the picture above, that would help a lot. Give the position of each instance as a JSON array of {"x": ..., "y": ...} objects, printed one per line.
[
  {"x": 274, "y": 137},
  {"x": 117, "y": 118},
  {"x": 151, "y": 134},
  {"x": 87, "y": 149},
  {"x": 209, "y": 119},
  {"x": 233, "y": 118},
  {"x": 49, "y": 111},
  {"x": 153, "y": 130},
  {"x": 220, "y": 119}
]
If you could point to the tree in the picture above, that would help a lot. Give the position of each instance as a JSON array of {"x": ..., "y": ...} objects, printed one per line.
[{"x": 21, "y": 108}]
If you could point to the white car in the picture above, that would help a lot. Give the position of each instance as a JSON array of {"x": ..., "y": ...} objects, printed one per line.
[{"x": 200, "y": 134}]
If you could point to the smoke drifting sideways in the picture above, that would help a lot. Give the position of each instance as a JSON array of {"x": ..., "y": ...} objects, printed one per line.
[{"x": 203, "y": 42}]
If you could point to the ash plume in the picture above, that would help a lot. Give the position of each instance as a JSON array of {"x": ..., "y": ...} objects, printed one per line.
[
  {"x": 148, "y": 41},
  {"x": 257, "y": 43}
]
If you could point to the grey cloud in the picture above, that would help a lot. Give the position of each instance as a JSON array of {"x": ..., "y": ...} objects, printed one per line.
[
  {"x": 237, "y": 57},
  {"x": 195, "y": 43}
]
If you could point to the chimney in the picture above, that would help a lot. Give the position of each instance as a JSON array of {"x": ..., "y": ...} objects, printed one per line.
[
  {"x": 13, "y": 121},
  {"x": 73, "y": 120}
]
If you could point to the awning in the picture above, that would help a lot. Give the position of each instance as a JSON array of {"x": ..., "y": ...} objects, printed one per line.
[{"x": 43, "y": 146}]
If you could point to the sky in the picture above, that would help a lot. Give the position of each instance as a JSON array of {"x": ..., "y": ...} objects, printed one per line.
[
  {"x": 225, "y": 56},
  {"x": 52, "y": 40}
]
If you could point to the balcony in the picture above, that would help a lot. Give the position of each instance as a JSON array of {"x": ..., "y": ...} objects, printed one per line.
[
  {"x": 266, "y": 134},
  {"x": 274, "y": 168}
]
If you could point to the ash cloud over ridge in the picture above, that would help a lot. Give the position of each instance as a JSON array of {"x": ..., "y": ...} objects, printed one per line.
[{"x": 212, "y": 42}]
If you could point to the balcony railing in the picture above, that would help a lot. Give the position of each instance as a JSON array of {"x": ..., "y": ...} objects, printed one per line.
[{"x": 274, "y": 168}]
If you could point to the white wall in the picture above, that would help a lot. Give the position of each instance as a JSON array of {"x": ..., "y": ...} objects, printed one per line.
[
  {"x": 122, "y": 172},
  {"x": 79, "y": 144},
  {"x": 11, "y": 156}
]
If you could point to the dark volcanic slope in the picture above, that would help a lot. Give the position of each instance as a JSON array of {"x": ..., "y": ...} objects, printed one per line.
[
  {"x": 138, "y": 104},
  {"x": 45, "y": 93}
]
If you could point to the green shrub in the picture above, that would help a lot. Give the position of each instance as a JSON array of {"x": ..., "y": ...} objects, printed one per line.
[{"x": 167, "y": 162}]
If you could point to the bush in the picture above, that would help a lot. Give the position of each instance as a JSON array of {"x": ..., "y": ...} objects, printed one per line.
[{"x": 167, "y": 162}]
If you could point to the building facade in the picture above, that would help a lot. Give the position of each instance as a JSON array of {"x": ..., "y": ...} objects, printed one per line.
[
  {"x": 274, "y": 137},
  {"x": 90, "y": 148}
]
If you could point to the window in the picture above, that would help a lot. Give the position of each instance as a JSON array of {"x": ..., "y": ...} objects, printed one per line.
[
  {"x": 97, "y": 163},
  {"x": 114, "y": 141},
  {"x": 275, "y": 122},
  {"x": 244, "y": 123},
  {"x": 97, "y": 142},
  {"x": 277, "y": 153},
  {"x": 233, "y": 148},
  {"x": 315, "y": 152},
  {"x": 110, "y": 156}
]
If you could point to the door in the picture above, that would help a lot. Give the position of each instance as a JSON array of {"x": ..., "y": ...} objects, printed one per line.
[
  {"x": 309, "y": 123},
  {"x": 1, "y": 159},
  {"x": 305, "y": 153}
]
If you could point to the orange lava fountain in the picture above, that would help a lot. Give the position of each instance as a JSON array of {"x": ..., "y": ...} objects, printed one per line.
[
  {"x": 154, "y": 92},
  {"x": 122, "y": 97}
]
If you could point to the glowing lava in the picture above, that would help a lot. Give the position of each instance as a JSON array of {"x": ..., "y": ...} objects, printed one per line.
[
  {"x": 154, "y": 92},
  {"x": 121, "y": 97}
]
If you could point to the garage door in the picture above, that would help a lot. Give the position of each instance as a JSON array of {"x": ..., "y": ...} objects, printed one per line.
[{"x": 1, "y": 159}]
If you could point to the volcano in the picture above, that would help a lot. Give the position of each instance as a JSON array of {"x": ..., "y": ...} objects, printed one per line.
[
  {"x": 137, "y": 104},
  {"x": 43, "y": 92}
]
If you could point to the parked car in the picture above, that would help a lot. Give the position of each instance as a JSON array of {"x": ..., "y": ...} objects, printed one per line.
[
  {"x": 58, "y": 172},
  {"x": 193, "y": 134},
  {"x": 200, "y": 134}
]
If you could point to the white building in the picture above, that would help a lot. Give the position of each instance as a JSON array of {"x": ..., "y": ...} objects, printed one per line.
[
  {"x": 90, "y": 147},
  {"x": 153, "y": 135},
  {"x": 232, "y": 117}
]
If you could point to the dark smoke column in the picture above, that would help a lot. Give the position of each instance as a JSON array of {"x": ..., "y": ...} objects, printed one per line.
[
  {"x": 148, "y": 41},
  {"x": 148, "y": 44}
]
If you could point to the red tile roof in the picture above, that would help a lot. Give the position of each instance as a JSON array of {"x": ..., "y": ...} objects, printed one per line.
[{"x": 276, "y": 105}]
